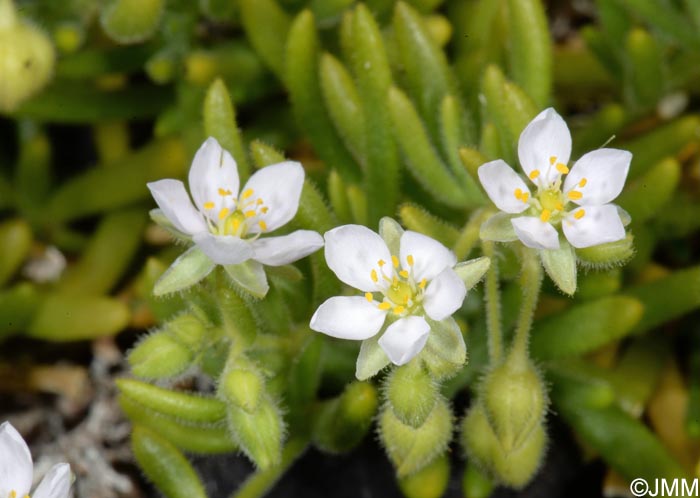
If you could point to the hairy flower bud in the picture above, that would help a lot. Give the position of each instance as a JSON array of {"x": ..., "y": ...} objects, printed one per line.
[{"x": 411, "y": 393}]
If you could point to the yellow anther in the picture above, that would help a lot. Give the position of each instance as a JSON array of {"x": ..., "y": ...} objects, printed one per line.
[
  {"x": 518, "y": 194},
  {"x": 224, "y": 193},
  {"x": 574, "y": 195},
  {"x": 247, "y": 193},
  {"x": 403, "y": 273},
  {"x": 262, "y": 225},
  {"x": 409, "y": 258},
  {"x": 552, "y": 160},
  {"x": 250, "y": 214},
  {"x": 259, "y": 201},
  {"x": 384, "y": 306},
  {"x": 583, "y": 182},
  {"x": 264, "y": 210},
  {"x": 399, "y": 309},
  {"x": 422, "y": 283},
  {"x": 525, "y": 196},
  {"x": 579, "y": 214},
  {"x": 546, "y": 214},
  {"x": 223, "y": 213},
  {"x": 381, "y": 263},
  {"x": 561, "y": 168},
  {"x": 13, "y": 494},
  {"x": 209, "y": 205},
  {"x": 369, "y": 296},
  {"x": 534, "y": 174},
  {"x": 559, "y": 206},
  {"x": 395, "y": 261},
  {"x": 373, "y": 276}
]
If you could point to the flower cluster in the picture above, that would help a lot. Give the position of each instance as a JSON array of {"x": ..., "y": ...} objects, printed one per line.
[
  {"x": 579, "y": 205},
  {"x": 16, "y": 470}
]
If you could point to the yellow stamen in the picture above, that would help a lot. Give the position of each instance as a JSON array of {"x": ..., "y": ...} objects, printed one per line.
[
  {"x": 223, "y": 213},
  {"x": 264, "y": 210},
  {"x": 518, "y": 194},
  {"x": 395, "y": 261},
  {"x": 552, "y": 160},
  {"x": 525, "y": 196},
  {"x": 250, "y": 214},
  {"x": 534, "y": 174},
  {"x": 224, "y": 193},
  {"x": 579, "y": 214},
  {"x": 373, "y": 276},
  {"x": 574, "y": 195},
  {"x": 259, "y": 201},
  {"x": 209, "y": 205},
  {"x": 384, "y": 306},
  {"x": 13, "y": 494},
  {"x": 399, "y": 309},
  {"x": 409, "y": 258},
  {"x": 262, "y": 225},
  {"x": 422, "y": 283},
  {"x": 583, "y": 182},
  {"x": 247, "y": 193},
  {"x": 561, "y": 168},
  {"x": 403, "y": 273},
  {"x": 546, "y": 214},
  {"x": 559, "y": 206},
  {"x": 381, "y": 263},
  {"x": 369, "y": 296}
]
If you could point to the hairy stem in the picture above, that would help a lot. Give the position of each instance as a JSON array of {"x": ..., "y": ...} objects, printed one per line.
[
  {"x": 531, "y": 283},
  {"x": 493, "y": 306}
]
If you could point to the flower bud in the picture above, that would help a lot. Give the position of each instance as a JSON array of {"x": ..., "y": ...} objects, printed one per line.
[
  {"x": 259, "y": 434},
  {"x": 26, "y": 58},
  {"x": 412, "y": 448},
  {"x": 244, "y": 388},
  {"x": 186, "y": 329},
  {"x": 514, "y": 401},
  {"x": 131, "y": 21},
  {"x": 411, "y": 393},
  {"x": 475, "y": 484},
  {"x": 159, "y": 356},
  {"x": 429, "y": 482}
]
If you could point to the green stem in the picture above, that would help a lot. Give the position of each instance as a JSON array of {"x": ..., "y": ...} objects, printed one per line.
[
  {"x": 493, "y": 306},
  {"x": 469, "y": 235},
  {"x": 531, "y": 283},
  {"x": 260, "y": 482}
]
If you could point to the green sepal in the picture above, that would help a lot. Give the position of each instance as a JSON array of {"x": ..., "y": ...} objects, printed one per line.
[
  {"x": 498, "y": 228},
  {"x": 259, "y": 434},
  {"x": 249, "y": 276},
  {"x": 371, "y": 359},
  {"x": 445, "y": 351},
  {"x": 391, "y": 232},
  {"x": 560, "y": 265},
  {"x": 609, "y": 254},
  {"x": 411, "y": 392},
  {"x": 429, "y": 482},
  {"x": 188, "y": 269},
  {"x": 472, "y": 271},
  {"x": 159, "y": 356}
]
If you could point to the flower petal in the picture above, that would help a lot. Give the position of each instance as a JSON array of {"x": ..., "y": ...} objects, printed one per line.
[
  {"x": 223, "y": 249},
  {"x": 172, "y": 199},
  {"x": 546, "y": 137},
  {"x": 404, "y": 339},
  {"x": 56, "y": 483},
  {"x": 352, "y": 252},
  {"x": 501, "y": 184},
  {"x": 444, "y": 295},
  {"x": 279, "y": 188},
  {"x": 213, "y": 179},
  {"x": 278, "y": 251},
  {"x": 602, "y": 173},
  {"x": 430, "y": 257},
  {"x": 535, "y": 233},
  {"x": 599, "y": 224},
  {"x": 15, "y": 462},
  {"x": 348, "y": 317}
]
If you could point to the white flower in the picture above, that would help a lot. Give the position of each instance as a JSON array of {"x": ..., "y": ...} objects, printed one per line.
[
  {"x": 581, "y": 205},
  {"x": 225, "y": 224},
  {"x": 16, "y": 469},
  {"x": 417, "y": 283}
]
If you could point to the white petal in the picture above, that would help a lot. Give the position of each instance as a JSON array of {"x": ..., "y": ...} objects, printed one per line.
[
  {"x": 444, "y": 295},
  {"x": 430, "y": 257},
  {"x": 600, "y": 224},
  {"x": 404, "y": 339},
  {"x": 545, "y": 137},
  {"x": 279, "y": 187},
  {"x": 172, "y": 199},
  {"x": 15, "y": 462},
  {"x": 605, "y": 171},
  {"x": 277, "y": 251},
  {"x": 55, "y": 484},
  {"x": 224, "y": 249},
  {"x": 352, "y": 252},
  {"x": 348, "y": 317},
  {"x": 535, "y": 233},
  {"x": 212, "y": 169},
  {"x": 501, "y": 182}
]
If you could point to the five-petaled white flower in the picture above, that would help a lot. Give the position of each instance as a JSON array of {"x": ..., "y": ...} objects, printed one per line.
[
  {"x": 580, "y": 205},
  {"x": 227, "y": 225},
  {"x": 417, "y": 283},
  {"x": 16, "y": 470}
]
